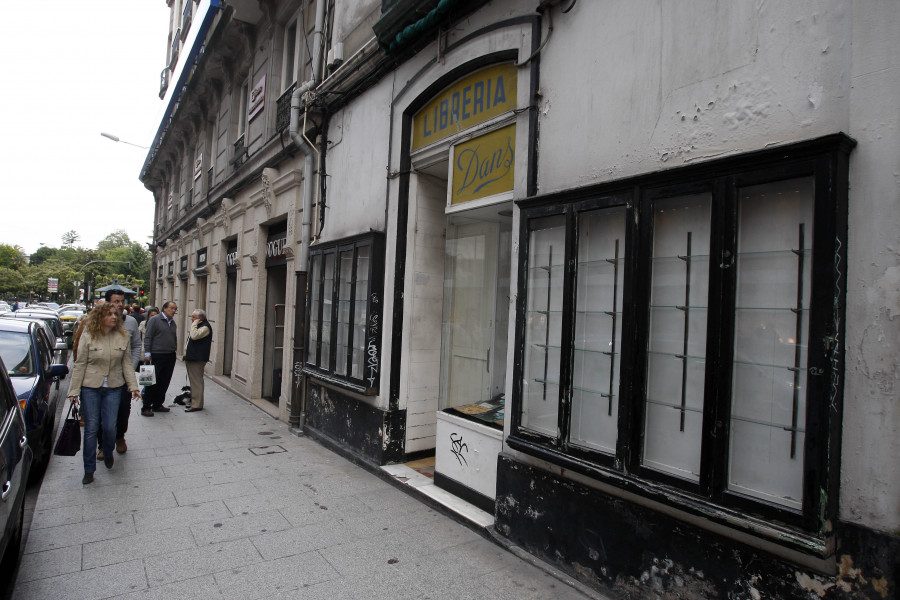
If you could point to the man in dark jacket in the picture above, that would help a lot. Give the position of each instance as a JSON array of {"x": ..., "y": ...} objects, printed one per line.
[
  {"x": 160, "y": 344},
  {"x": 196, "y": 355}
]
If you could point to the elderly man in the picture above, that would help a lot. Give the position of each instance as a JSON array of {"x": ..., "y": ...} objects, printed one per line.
[
  {"x": 196, "y": 355},
  {"x": 160, "y": 344}
]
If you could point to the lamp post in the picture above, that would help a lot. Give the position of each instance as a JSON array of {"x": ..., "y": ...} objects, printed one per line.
[
  {"x": 88, "y": 287},
  {"x": 115, "y": 138}
]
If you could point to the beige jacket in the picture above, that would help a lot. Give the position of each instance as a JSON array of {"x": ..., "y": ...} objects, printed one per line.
[{"x": 110, "y": 357}]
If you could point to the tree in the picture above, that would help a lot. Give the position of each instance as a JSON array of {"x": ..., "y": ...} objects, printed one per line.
[
  {"x": 43, "y": 253},
  {"x": 11, "y": 282},
  {"x": 12, "y": 257},
  {"x": 70, "y": 237},
  {"x": 119, "y": 247}
]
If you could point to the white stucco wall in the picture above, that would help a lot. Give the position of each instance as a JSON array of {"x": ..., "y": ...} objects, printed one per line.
[
  {"x": 651, "y": 85},
  {"x": 357, "y": 156},
  {"x": 870, "y": 474}
]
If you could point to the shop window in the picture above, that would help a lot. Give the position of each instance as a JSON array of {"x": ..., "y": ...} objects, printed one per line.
[
  {"x": 344, "y": 323},
  {"x": 682, "y": 332}
]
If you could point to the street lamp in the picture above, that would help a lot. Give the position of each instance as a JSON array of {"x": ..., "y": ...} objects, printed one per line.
[{"x": 115, "y": 138}]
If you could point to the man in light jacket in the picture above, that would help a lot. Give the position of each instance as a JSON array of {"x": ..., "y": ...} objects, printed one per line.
[
  {"x": 160, "y": 345},
  {"x": 196, "y": 355}
]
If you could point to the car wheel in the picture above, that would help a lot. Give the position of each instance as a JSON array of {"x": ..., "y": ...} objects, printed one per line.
[{"x": 40, "y": 466}]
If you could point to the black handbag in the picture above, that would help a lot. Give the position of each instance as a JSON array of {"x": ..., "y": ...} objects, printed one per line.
[{"x": 69, "y": 441}]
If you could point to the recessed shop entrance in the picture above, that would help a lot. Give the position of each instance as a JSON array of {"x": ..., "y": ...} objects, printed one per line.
[{"x": 458, "y": 338}]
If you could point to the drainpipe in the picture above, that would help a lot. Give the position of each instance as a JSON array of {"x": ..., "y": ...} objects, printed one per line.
[{"x": 298, "y": 413}]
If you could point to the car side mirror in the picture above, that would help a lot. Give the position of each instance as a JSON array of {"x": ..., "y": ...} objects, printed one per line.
[
  {"x": 61, "y": 344},
  {"x": 59, "y": 370}
]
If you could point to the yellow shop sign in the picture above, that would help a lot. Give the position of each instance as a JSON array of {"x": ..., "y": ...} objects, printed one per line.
[
  {"x": 473, "y": 99},
  {"x": 484, "y": 166}
]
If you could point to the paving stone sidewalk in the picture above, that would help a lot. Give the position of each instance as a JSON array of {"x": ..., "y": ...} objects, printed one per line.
[{"x": 228, "y": 503}]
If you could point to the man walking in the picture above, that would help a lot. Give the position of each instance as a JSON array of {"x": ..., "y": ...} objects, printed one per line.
[
  {"x": 196, "y": 355},
  {"x": 160, "y": 344},
  {"x": 117, "y": 298}
]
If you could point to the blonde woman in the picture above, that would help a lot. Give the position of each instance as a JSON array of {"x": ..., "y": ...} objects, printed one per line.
[{"x": 102, "y": 368}]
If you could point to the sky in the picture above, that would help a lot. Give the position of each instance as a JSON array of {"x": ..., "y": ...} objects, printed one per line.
[{"x": 72, "y": 70}]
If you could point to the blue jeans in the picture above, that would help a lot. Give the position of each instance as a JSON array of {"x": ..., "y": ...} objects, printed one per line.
[{"x": 100, "y": 407}]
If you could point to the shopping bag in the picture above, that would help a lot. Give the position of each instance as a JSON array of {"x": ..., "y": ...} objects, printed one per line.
[
  {"x": 69, "y": 441},
  {"x": 147, "y": 375}
]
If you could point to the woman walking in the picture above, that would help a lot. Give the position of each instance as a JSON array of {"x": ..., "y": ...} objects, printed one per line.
[{"x": 102, "y": 368}]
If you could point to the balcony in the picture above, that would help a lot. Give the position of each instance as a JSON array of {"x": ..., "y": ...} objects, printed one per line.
[
  {"x": 283, "y": 109},
  {"x": 163, "y": 82},
  {"x": 240, "y": 153},
  {"x": 173, "y": 57},
  {"x": 186, "y": 17}
]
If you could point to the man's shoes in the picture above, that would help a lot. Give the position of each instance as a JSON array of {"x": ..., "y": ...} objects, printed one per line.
[
  {"x": 100, "y": 454},
  {"x": 88, "y": 478},
  {"x": 109, "y": 460},
  {"x": 121, "y": 446},
  {"x": 192, "y": 409},
  {"x": 161, "y": 409},
  {"x": 146, "y": 413}
]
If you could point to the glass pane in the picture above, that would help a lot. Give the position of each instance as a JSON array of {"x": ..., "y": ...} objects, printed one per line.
[
  {"x": 677, "y": 346},
  {"x": 327, "y": 313},
  {"x": 598, "y": 329},
  {"x": 345, "y": 286},
  {"x": 470, "y": 279},
  {"x": 543, "y": 325},
  {"x": 315, "y": 302},
  {"x": 361, "y": 340},
  {"x": 768, "y": 412}
]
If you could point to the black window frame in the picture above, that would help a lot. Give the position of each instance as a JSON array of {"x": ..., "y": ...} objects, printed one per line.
[
  {"x": 826, "y": 160},
  {"x": 369, "y": 348}
]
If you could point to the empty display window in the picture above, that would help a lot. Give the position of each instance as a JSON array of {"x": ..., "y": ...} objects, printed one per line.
[
  {"x": 345, "y": 310},
  {"x": 682, "y": 331}
]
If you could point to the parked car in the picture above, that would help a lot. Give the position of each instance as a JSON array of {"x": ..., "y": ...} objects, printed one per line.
[
  {"x": 15, "y": 463},
  {"x": 80, "y": 307},
  {"x": 60, "y": 347},
  {"x": 26, "y": 352},
  {"x": 4, "y": 306}
]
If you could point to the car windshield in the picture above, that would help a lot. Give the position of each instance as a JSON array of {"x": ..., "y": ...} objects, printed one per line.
[{"x": 15, "y": 350}]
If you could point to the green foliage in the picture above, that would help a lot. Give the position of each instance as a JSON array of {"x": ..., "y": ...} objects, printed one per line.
[
  {"x": 12, "y": 283},
  {"x": 117, "y": 257},
  {"x": 12, "y": 257},
  {"x": 43, "y": 253}
]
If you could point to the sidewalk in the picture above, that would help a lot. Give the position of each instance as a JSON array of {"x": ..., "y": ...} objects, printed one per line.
[{"x": 227, "y": 503}]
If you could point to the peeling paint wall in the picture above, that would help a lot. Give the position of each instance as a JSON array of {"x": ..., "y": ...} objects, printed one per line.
[
  {"x": 870, "y": 471},
  {"x": 630, "y": 552},
  {"x": 667, "y": 87},
  {"x": 369, "y": 434}
]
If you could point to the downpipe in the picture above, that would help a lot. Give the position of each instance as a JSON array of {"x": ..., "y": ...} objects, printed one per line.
[{"x": 297, "y": 417}]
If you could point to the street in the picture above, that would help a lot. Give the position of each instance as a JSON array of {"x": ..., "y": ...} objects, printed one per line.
[{"x": 228, "y": 503}]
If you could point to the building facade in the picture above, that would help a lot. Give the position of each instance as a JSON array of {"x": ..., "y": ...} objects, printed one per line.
[{"x": 628, "y": 271}]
